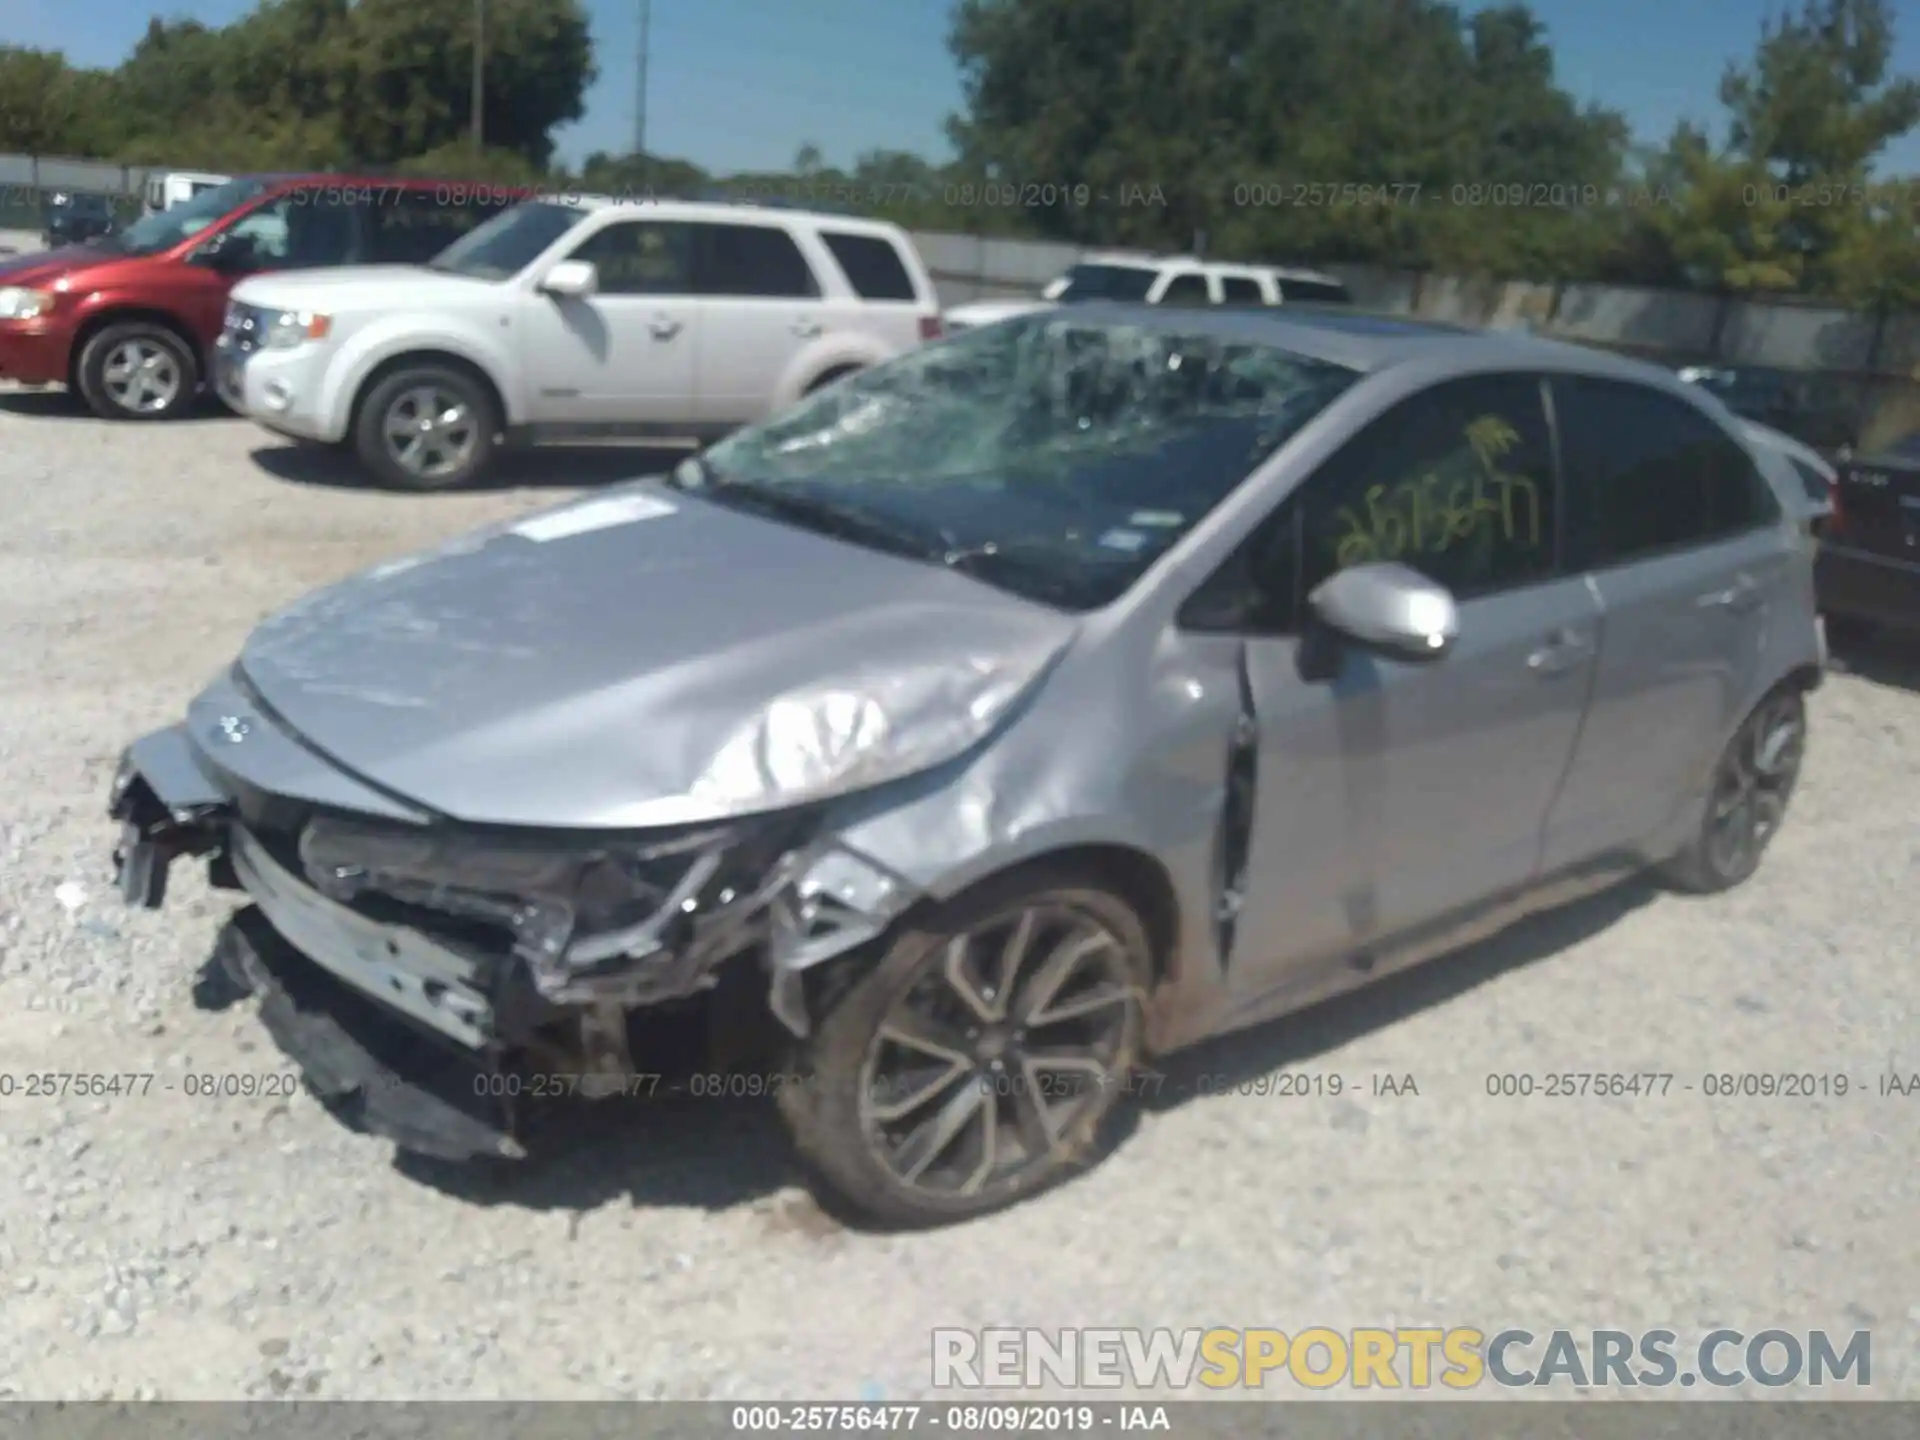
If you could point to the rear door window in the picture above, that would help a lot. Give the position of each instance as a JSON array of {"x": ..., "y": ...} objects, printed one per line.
[
  {"x": 1187, "y": 289},
  {"x": 759, "y": 261},
  {"x": 1241, "y": 290},
  {"x": 872, "y": 265},
  {"x": 1648, "y": 474}
]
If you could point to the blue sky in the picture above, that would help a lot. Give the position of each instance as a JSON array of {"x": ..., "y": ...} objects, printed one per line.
[{"x": 741, "y": 84}]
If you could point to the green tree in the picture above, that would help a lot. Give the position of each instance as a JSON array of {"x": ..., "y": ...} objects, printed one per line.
[
  {"x": 407, "y": 66},
  {"x": 642, "y": 175},
  {"x": 1298, "y": 131},
  {"x": 1731, "y": 226},
  {"x": 1790, "y": 200},
  {"x": 38, "y": 101}
]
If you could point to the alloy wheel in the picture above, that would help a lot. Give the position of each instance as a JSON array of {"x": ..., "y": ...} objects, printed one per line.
[
  {"x": 142, "y": 376},
  {"x": 999, "y": 1056},
  {"x": 1751, "y": 788},
  {"x": 430, "y": 433}
]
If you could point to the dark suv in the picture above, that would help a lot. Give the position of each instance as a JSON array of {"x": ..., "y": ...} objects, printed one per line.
[
  {"x": 128, "y": 319},
  {"x": 75, "y": 217}
]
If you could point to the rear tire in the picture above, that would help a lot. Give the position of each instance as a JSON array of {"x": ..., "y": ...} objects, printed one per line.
[
  {"x": 1746, "y": 799},
  {"x": 988, "y": 1116},
  {"x": 426, "y": 428},
  {"x": 137, "y": 370}
]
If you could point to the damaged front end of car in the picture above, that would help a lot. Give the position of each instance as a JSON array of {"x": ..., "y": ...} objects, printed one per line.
[
  {"x": 518, "y": 953},
  {"x": 604, "y": 927},
  {"x": 532, "y": 948}
]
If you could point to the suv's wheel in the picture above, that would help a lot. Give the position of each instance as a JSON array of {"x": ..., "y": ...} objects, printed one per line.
[
  {"x": 426, "y": 427},
  {"x": 1748, "y": 797},
  {"x": 138, "y": 371},
  {"x": 974, "y": 1063}
]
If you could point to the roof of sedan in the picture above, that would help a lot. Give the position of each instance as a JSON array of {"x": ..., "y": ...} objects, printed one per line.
[{"x": 1367, "y": 341}]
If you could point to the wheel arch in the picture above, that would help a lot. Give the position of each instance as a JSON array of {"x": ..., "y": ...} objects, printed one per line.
[
  {"x": 832, "y": 373},
  {"x": 447, "y": 359},
  {"x": 115, "y": 314},
  {"x": 1130, "y": 873}
]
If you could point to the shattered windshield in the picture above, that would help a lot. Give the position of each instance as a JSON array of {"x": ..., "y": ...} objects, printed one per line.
[{"x": 1049, "y": 456}]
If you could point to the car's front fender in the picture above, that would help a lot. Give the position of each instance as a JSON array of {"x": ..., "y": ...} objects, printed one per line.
[{"x": 392, "y": 337}]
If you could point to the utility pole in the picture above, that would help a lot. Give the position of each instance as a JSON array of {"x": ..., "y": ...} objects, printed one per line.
[
  {"x": 479, "y": 71},
  {"x": 640, "y": 84}
]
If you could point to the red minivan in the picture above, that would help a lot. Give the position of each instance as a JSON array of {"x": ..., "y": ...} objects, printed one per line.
[{"x": 128, "y": 321}]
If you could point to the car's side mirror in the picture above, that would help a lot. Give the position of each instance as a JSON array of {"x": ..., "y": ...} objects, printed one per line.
[
  {"x": 227, "y": 251},
  {"x": 1389, "y": 608},
  {"x": 572, "y": 280}
]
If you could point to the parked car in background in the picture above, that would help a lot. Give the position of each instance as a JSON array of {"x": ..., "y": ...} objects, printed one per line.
[
  {"x": 1868, "y": 574},
  {"x": 128, "y": 321},
  {"x": 164, "y": 191},
  {"x": 73, "y": 217},
  {"x": 1813, "y": 408},
  {"x": 1162, "y": 280},
  {"x": 574, "y": 319},
  {"x": 1028, "y": 705}
]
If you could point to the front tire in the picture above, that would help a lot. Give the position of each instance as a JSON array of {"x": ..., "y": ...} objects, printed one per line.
[
  {"x": 137, "y": 370},
  {"x": 1747, "y": 798},
  {"x": 425, "y": 428},
  {"x": 974, "y": 1064}
]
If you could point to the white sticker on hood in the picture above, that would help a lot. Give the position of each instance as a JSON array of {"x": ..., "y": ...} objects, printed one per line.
[{"x": 594, "y": 515}]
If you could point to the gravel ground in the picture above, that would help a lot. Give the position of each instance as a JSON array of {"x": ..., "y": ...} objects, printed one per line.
[{"x": 166, "y": 1246}]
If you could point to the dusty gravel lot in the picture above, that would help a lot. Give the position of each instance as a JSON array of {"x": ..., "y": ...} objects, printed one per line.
[{"x": 210, "y": 1249}]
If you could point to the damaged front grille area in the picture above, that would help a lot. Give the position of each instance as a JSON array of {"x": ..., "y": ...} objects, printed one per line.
[{"x": 622, "y": 923}]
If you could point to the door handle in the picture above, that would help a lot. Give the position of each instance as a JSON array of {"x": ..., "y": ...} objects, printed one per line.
[
  {"x": 1565, "y": 650},
  {"x": 1743, "y": 594},
  {"x": 664, "y": 329},
  {"x": 806, "y": 329}
]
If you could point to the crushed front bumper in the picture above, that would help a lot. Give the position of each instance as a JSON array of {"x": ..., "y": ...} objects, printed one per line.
[
  {"x": 371, "y": 1070},
  {"x": 361, "y": 1004},
  {"x": 168, "y": 807}
]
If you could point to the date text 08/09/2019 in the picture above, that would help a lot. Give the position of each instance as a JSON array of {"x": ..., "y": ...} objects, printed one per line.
[
  {"x": 954, "y": 1419},
  {"x": 139, "y": 1084}
]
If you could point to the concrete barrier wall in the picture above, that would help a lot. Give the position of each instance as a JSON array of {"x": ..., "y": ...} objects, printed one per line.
[{"x": 1681, "y": 325}]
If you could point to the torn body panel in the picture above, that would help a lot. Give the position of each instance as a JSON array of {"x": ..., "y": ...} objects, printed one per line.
[{"x": 1144, "y": 775}]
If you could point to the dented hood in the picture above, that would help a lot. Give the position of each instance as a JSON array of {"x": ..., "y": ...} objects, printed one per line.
[{"x": 646, "y": 658}]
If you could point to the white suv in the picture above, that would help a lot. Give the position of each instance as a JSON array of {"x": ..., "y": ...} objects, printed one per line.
[
  {"x": 570, "y": 319},
  {"x": 1162, "y": 280}
]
